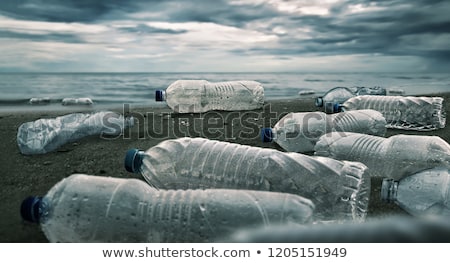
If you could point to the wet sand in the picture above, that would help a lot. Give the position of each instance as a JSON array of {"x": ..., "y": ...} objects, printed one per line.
[{"x": 34, "y": 175}]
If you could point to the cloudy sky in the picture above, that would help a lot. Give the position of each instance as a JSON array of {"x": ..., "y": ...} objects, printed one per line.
[{"x": 224, "y": 36}]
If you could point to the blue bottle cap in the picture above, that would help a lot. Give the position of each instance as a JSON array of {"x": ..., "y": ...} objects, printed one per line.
[
  {"x": 29, "y": 210},
  {"x": 159, "y": 95},
  {"x": 133, "y": 160},
  {"x": 266, "y": 135},
  {"x": 337, "y": 107},
  {"x": 319, "y": 102}
]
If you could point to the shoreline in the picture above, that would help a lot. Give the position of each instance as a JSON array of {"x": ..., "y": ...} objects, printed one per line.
[
  {"x": 60, "y": 109},
  {"x": 34, "y": 175}
]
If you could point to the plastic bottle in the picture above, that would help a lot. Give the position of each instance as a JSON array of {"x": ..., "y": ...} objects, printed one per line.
[
  {"x": 395, "y": 157},
  {"x": 86, "y": 208},
  {"x": 422, "y": 194},
  {"x": 76, "y": 101},
  {"x": 39, "y": 101},
  {"x": 299, "y": 132},
  {"x": 339, "y": 189},
  {"x": 334, "y": 96},
  {"x": 401, "y": 112},
  {"x": 391, "y": 229},
  {"x": 371, "y": 91},
  {"x": 46, "y": 135},
  {"x": 195, "y": 96}
]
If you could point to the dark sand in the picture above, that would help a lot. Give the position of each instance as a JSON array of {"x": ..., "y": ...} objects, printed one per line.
[{"x": 35, "y": 175}]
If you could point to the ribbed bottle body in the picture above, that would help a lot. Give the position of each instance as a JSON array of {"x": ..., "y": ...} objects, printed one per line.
[
  {"x": 407, "y": 113},
  {"x": 186, "y": 96},
  {"x": 299, "y": 132},
  {"x": 395, "y": 157},
  {"x": 46, "y": 135},
  {"x": 192, "y": 163},
  {"x": 85, "y": 208}
]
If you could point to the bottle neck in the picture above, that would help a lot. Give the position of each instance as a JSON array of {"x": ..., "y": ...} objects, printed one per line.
[
  {"x": 389, "y": 189},
  {"x": 34, "y": 209},
  {"x": 160, "y": 95}
]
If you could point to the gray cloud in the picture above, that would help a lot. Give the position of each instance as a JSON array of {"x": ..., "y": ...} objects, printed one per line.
[
  {"x": 64, "y": 11},
  {"x": 390, "y": 27},
  {"x": 368, "y": 32},
  {"x": 144, "y": 29},
  {"x": 65, "y": 38}
]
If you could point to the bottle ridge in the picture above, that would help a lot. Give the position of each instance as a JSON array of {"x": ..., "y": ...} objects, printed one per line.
[
  {"x": 85, "y": 208},
  {"x": 339, "y": 189}
]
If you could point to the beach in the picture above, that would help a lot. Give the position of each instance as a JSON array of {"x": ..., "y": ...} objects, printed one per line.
[{"x": 23, "y": 175}]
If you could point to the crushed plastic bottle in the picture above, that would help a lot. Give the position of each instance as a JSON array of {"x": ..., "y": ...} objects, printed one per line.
[
  {"x": 334, "y": 95},
  {"x": 401, "y": 112},
  {"x": 46, "y": 135},
  {"x": 76, "y": 101},
  {"x": 339, "y": 95},
  {"x": 426, "y": 193},
  {"x": 395, "y": 157},
  {"x": 371, "y": 91},
  {"x": 339, "y": 189},
  {"x": 194, "y": 96},
  {"x": 392, "y": 229},
  {"x": 39, "y": 101},
  {"x": 299, "y": 132},
  {"x": 85, "y": 208}
]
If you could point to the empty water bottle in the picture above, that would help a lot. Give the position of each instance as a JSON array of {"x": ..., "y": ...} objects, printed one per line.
[
  {"x": 339, "y": 189},
  {"x": 401, "y": 112},
  {"x": 392, "y": 229},
  {"x": 39, "y": 101},
  {"x": 422, "y": 194},
  {"x": 86, "y": 208},
  {"x": 200, "y": 95},
  {"x": 76, "y": 101},
  {"x": 334, "y": 95},
  {"x": 299, "y": 132},
  {"x": 46, "y": 135},
  {"x": 395, "y": 157},
  {"x": 370, "y": 91}
]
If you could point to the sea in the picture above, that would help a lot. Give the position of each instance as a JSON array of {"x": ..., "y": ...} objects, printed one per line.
[{"x": 113, "y": 90}]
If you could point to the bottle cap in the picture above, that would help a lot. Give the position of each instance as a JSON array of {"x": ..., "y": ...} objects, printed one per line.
[
  {"x": 266, "y": 135},
  {"x": 337, "y": 107},
  {"x": 159, "y": 95},
  {"x": 29, "y": 210},
  {"x": 329, "y": 107},
  {"x": 388, "y": 190},
  {"x": 133, "y": 160},
  {"x": 319, "y": 102}
]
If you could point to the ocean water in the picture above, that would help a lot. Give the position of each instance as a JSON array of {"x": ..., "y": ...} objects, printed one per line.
[{"x": 138, "y": 89}]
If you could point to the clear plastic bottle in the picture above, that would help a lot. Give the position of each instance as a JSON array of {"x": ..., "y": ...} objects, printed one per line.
[
  {"x": 299, "y": 132},
  {"x": 390, "y": 229},
  {"x": 401, "y": 112},
  {"x": 39, "y": 101},
  {"x": 46, "y": 135},
  {"x": 334, "y": 96},
  {"x": 395, "y": 157},
  {"x": 193, "y": 96},
  {"x": 86, "y": 208},
  {"x": 339, "y": 189},
  {"x": 76, "y": 101},
  {"x": 426, "y": 193},
  {"x": 371, "y": 91}
]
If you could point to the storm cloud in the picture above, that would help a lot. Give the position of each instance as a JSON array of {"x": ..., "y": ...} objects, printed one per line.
[{"x": 237, "y": 35}]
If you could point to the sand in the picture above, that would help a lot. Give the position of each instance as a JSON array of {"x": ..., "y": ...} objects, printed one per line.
[{"x": 34, "y": 175}]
